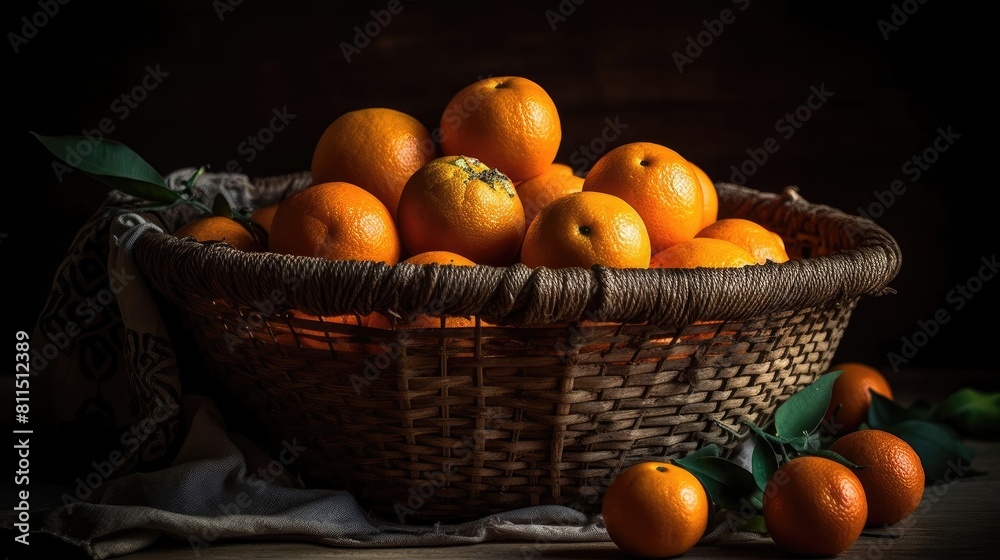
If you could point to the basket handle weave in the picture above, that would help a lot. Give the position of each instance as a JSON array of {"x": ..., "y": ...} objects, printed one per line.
[{"x": 850, "y": 256}]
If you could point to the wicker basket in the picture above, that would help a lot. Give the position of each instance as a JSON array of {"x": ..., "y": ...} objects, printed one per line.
[{"x": 567, "y": 377}]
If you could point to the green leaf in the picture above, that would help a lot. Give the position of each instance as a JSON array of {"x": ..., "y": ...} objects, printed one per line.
[
  {"x": 758, "y": 431},
  {"x": 710, "y": 450},
  {"x": 827, "y": 454},
  {"x": 754, "y": 524},
  {"x": 803, "y": 411},
  {"x": 733, "y": 432},
  {"x": 189, "y": 184},
  {"x": 943, "y": 456},
  {"x": 800, "y": 443},
  {"x": 972, "y": 413},
  {"x": 885, "y": 412},
  {"x": 112, "y": 164},
  {"x": 756, "y": 500},
  {"x": 729, "y": 485},
  {"x": 779, "y": 445},
  {"x": 221, "y": 207},
  {"x": 806, "y": 442},
  {"x": 921, "y": 409},
  {"x": 764, "y": 461}
]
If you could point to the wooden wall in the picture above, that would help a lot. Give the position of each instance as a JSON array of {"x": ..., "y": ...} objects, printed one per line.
[{"x": 229, "y": 68}]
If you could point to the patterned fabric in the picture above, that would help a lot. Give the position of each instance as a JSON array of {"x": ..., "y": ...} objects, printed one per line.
[
  {"x": 108, "y": 367},
  {"x": 89, "y": 384}
]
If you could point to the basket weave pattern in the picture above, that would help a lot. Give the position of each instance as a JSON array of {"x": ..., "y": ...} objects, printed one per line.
[{"x": 567, "y": 377}]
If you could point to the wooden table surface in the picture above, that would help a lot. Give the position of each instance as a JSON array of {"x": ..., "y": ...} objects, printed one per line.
[{"x": 959, "y": 521}]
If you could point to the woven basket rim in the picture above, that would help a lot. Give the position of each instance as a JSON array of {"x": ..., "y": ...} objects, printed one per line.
[{"x": 520, "y": 296}]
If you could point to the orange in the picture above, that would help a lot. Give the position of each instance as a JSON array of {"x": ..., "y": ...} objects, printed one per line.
[
  {"x": 778, "y": 240},
  {"x": 263, "y": 216},
  {"x": 893, "y": 476},
  {"x": 458, "y": 204},
  {"x": 220, "y": 228},
  {"x": 508, "y": 122},
  {"x": 850, "y": 398},
  {"x": 553, "y": 183},
  {"x": 814, "y": 506},
  {"x": 587, "y": 228},
  {"x": 376, "y": 149},
  {"x": 428, "y": 320},
  {"x": 762, "y": 243},
  {"x": 655, "y": 509},
  {"x": 710, "y": 197},
  {"x": 703, "y": 252},
  {"x": 561, "y": 168},
  {"x": 337, "y": 221},
  {"x": 440, "y": 257},
  {"x": 658, "y": 183},
  {"x": 317, "y": 338},
  {"x": 421, "y": 321}
]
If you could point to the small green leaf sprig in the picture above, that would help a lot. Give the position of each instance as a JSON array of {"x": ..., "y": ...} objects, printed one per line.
[
  {"x": 800, "y": 427},
  {"x": 122, "y": 169}
]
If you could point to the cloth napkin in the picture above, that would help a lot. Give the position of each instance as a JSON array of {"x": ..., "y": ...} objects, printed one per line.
[{"x": 142, "y": 454}]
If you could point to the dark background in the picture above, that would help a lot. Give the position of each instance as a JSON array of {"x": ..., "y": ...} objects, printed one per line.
[{"x": 605, "y": 60}]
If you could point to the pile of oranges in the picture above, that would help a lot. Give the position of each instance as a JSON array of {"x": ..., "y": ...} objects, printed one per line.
[
  {"x": 485, "y": 189},
  {"x": 812, "y": 505}
]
